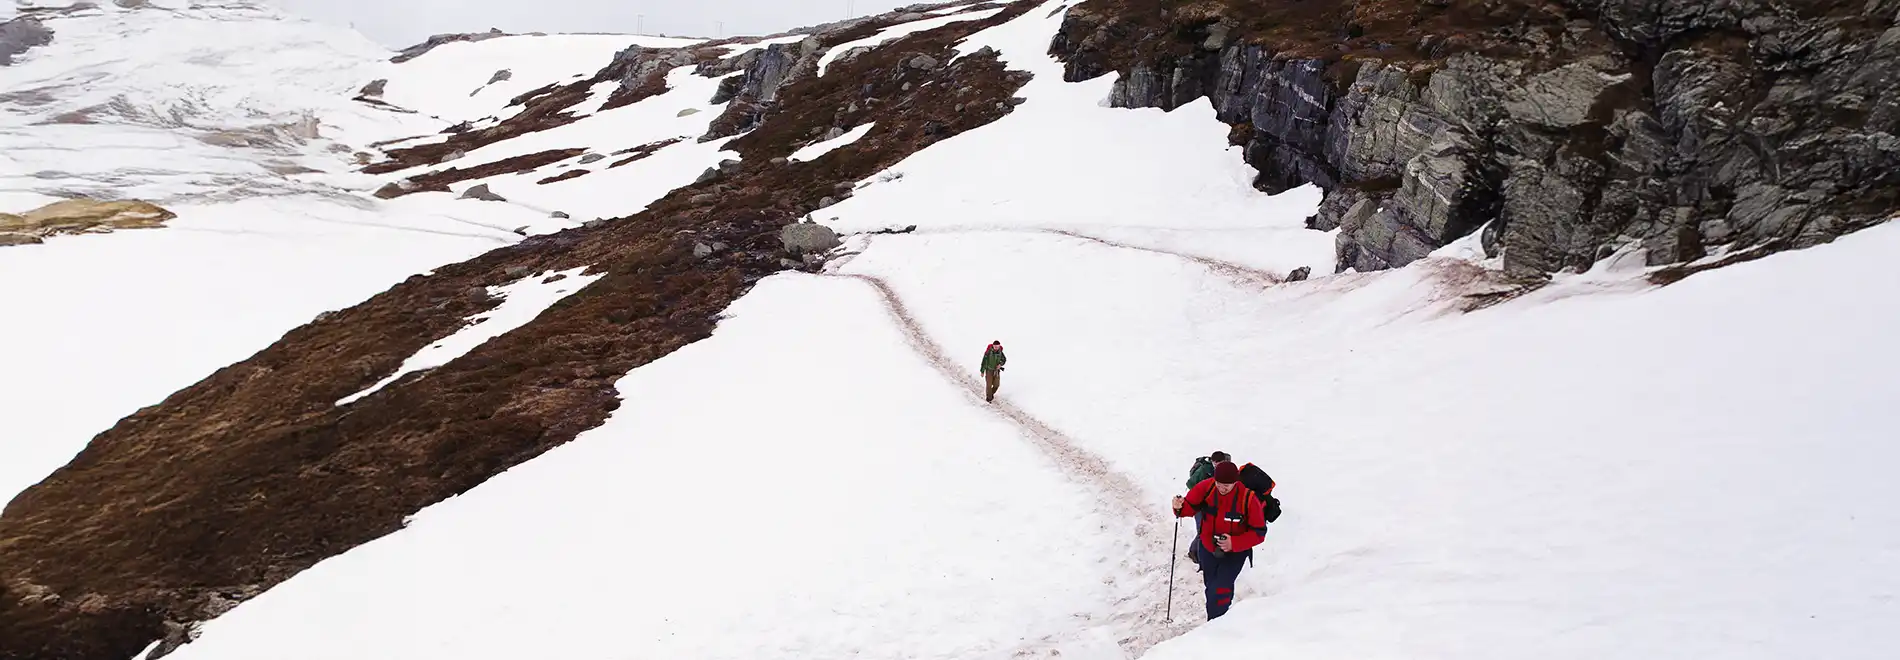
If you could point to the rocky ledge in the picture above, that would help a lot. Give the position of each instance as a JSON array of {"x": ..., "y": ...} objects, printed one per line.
[
  {"x": 79, "y": 216},
  {"x": 1565, "y": 130}
]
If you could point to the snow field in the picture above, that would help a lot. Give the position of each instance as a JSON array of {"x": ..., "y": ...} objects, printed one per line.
[
  {"x": 450, "y": 82},
  {"x": 521, "y": 301},
  {"x": 618, "y": 191},
  {"x": 188, "y": 103},
  {"x": 860, "y": 505},
  {"x": 1064, "y": 161},
  {"x": 899, "y": 31},
  {"x": 111, "y": 323},
  {"x": 1459, "y": 487}
]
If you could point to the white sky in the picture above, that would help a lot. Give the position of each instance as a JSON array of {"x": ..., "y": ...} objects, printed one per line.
[{"x": 399, "y": 23}]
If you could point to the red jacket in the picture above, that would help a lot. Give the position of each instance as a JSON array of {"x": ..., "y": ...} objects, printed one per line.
[{"x": 1246, "y": 527}]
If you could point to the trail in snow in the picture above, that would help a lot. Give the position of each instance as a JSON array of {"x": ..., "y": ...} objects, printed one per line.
[
  {"x": 1240, "y": 274},
  {"x": 1140, "y": 613}
]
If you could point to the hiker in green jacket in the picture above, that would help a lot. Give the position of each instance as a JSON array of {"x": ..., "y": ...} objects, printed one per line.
[{"x": 992, "y": 369}]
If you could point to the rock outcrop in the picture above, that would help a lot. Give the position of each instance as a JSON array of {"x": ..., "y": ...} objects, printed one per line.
[
  {"x": 21, "y": 34},
  {"x": 79, "y": 216},
  {"x": 807, "y": 237},
  {"x": 432, "y": 42},
  {"x": 1566, "y": 130},
  {"x": 749, "y": 96}
]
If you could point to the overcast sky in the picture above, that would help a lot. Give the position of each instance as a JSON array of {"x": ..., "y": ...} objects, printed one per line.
[{"x": 399, "y": 23}]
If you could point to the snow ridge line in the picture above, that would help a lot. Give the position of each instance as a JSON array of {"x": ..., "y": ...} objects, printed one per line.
[{"x": 1139, "y": 615}]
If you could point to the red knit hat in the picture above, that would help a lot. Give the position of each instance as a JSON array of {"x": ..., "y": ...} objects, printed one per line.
[{"x": 1226, "y": 473}]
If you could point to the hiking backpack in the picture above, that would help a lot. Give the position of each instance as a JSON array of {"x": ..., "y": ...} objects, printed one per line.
[
  {"x": 1202, "y": 471},
  {"x": 1256, "y": 480}
]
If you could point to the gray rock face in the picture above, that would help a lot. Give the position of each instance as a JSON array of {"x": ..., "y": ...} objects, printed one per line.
[
  {"x": 429, "y": 44},
  {"x": 374, "y": 88},
  {"x": 561, "y": 215},
  {"x": 636, "y": 65},
  {"x": 753, "y": 93},
  {"x": 923, "y": 62},
  {"x": 482, "y": 192},
  {"x": 592, "y": 158},
  {"x": 19, "y": 35},
  {"x": 1300, "y": 274},
  {"x": 501, "y": 75},
  {"x": 808, "y": 238},
  {"x": 1786, "y": 134}
]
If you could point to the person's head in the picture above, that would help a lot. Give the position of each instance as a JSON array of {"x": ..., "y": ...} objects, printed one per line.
[
  {"x": 1219, "y": 457},
  {"x": 1225, "y": 476}
]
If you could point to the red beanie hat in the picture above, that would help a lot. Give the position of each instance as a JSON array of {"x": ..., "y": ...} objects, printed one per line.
[{"x": 1226, "y": 473}]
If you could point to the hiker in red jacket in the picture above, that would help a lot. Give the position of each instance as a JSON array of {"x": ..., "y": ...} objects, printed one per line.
[{"x": 1235, "y": 523}]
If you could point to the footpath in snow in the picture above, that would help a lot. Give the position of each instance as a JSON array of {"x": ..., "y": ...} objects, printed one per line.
[{"x": 802, "y": 484}]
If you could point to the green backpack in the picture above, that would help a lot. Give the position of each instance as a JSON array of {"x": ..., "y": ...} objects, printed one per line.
[{"x": 1202, "y": 471}]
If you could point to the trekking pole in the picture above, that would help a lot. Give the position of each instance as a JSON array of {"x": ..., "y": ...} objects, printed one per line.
[{"x": 1173, "y": 554}]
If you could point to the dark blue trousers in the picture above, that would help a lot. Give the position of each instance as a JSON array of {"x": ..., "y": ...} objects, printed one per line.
[{"x": 1218, "y": 574}]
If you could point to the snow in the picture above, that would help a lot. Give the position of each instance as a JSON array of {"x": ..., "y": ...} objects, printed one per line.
[
  {"x": 451, "y": 81},
  {"x": 812, "y": 528},
  {"x": 900, "y": 31},
  {"x": 120, "y": 321},
  {"x": 1063, "y": 161},
  {"x": 818, "y": 149},
  {"x": 521, "y": 301},
  {"x": 1601, "y": 468},
  {"x": 189, "y": 103},
  {"x": 619, "y": 191},
  {"x": 1675, "y": 472}
]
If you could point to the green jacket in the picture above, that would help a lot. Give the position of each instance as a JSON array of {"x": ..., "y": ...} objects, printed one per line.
[{"x": 993, "y": 359}]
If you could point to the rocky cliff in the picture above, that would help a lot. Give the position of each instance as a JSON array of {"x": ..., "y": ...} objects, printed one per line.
[{"x": 1564, "y": 130}]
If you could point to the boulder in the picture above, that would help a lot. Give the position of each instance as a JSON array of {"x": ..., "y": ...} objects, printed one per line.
[
  {"x": 1300, "y": 274},
  {"x": 592, "y": 158},
  {"x": 19, "y": 35},
  {"x": 481, "y": 192},
  {"x": 560, "y": 214},
  {"x": 500, "y": 76},
  {"x": 922, "y": 63},
  {"x": 374, "y": 88},
  {"x": 808, "y": 238},
  {"x": 833, "y": 134}
]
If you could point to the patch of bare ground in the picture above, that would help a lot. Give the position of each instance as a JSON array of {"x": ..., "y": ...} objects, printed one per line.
[
  {"x": 440, "y": 180},
  {"x": 1125, "y": 32},
  {"x": 238, "y": 482},
  {"x": 570, "y": 174},
  {"x": 643, "y": 151}
]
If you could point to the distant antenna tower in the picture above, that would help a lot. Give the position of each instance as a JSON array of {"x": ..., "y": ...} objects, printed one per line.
[
  {"x": 640, "y": 24},
  {"x": 722, "y": 29},
  {"x": 850, "y": 8}
]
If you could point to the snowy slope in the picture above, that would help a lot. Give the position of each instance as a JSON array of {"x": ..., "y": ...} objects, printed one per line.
[
  {"x": 802, "y": 528},
  {"x": 1599, "y": 469},
  {"x": 204, "y": 108},
  {"x": 451, "y": 81}
]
